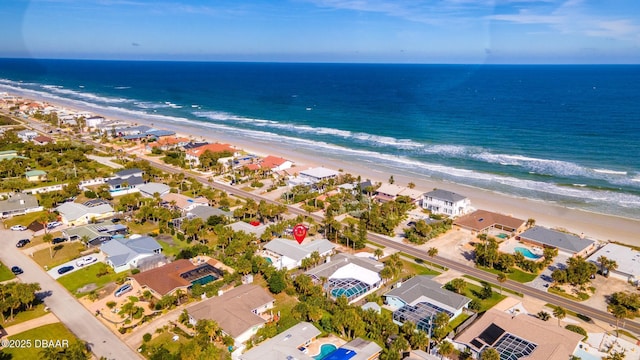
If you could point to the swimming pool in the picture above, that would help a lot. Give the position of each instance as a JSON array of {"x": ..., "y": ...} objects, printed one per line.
[
  {"x": 325, "y": 350},
  {"x": 527, "y": 253},
  {"x": 269, "y": 260}
]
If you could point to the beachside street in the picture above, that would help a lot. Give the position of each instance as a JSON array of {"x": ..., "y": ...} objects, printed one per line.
[{"x": 77, "y": 318}]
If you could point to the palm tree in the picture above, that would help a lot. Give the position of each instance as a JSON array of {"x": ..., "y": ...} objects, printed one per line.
[
  {"x": 543, "y": 315},
  {"x": 490, "y": 354},
  {"x": 432, "y": 252},
  {"x": 378, "y": 253},
  {"x": 48, "y": 238},
  {"x": 619, "y": 312},
  {"x": 502, "y": 278},
  {"x": 445, "y": 349},
  {"x": 560, "y": 313}
]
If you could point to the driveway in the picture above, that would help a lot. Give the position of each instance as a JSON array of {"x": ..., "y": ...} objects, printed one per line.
[
  {"x": 54, "y": 271},
  {"x": 70, "y": 312}
]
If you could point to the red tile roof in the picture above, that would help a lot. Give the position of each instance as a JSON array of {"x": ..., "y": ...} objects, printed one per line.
[
  {"x": 214, "y": 148},
  {"x": 165, "y": 279},
  {"x": 272, "y": 161}
]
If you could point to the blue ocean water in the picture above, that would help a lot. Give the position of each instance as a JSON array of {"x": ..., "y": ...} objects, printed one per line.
[{"x": 568, "y": 134}]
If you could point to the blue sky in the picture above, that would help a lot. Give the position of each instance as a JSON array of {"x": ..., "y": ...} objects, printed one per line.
[{"x": 402, "y": 31}]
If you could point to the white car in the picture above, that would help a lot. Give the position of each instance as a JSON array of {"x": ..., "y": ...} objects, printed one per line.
[
  {"x": 53, "y": 224},
  {"x": 86, "y": 261},
  {"x": 18, "y": 228}
]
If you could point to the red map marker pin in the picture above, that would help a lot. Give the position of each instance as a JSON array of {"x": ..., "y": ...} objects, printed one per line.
[{"x": 299, "y": 232}]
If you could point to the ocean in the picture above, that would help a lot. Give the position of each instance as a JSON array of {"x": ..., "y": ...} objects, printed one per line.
[{"x": 565, "y": 134}]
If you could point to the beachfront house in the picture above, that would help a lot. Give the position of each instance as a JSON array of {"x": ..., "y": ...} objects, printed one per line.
[
  {"x": 518, "y": 336},
  {"x": 19, "y": 204},
  {"x": 239, "y": 312},
  {"x": 192, "y": 155},
  {"x": 420, "y": 299},
  {"x": 568, "y": 244},
  {"x": 92, "y": 122},
  {"x": 348, "y": 275},
  {"x": 483, "y": 221},
  {"x": 288, "y": 254},
  {"x": 446, "y": 202},
  {"x": 126, "y": 254},
  {"x": 627, "y": 259}
]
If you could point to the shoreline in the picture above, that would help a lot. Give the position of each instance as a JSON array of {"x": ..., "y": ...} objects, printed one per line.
[{"x": 597, "y": 226}]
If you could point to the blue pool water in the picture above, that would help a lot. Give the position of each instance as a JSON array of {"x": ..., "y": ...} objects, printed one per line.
[
  {"x": 585, "y": 355},
  {"x": 527, "y": 253},
  {"x": 269, "y": 260},
  {"x": 325, "y": 350}
]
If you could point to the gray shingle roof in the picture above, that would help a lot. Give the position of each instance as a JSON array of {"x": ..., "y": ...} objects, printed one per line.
[
  {"x": 338, "y": 261},
  {"x": 129, "y": 172},
  {"x": 205, "y": 212},
  {"x": 284, "y": 345},
  {"x": 563, "y": 241},
  {"x": 17, "y": 202},
  {"x": 121, "y": 251},
  {"x": 445, "y": 195},
  {"x": 72, "y": 211},
  {"x": 422, "y": 286},
  {"x": 297, "y": 252}
]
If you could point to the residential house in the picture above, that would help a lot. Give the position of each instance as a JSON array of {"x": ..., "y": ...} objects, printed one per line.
[
  {"x": 42, "y": 140},
  {"x": 288, "y": 254},
  {"x": 518, "y": 336},
  {"x": 78, "y": 214},
  {"x": 275, "y": 163},
  {"x": 126, "y": 254},
  {"x": 193, "y": 155},
  {"x": 256, "y": 230},
  {"x": 483, "y": 221},
  {"x": 239, "y": 312},
  {"x": 94, "y": 234},
  {"x": 388, "y": 192},
  {"x": 627, "y": 259},
  {"x": 318, "y": 174},
  {"x": 182, "y": 202},
  {"x": 420, "y": 299},
  {"x": 357, "y": 349},
  {"x": 150, "y": 189},
  {"x": 126, "y": 181},
  {"x": 348, "y": 275},
  {"x": 178, "y": 275},
  {"x": 27, "y": 135},
  {"x": 36, "y": 175},
  {"x": 19, "y": 204},
  {"x": 168, "y": 143},
  {"x": 569, "y": 244},
  {"x": 10, "y": 155},
  {"x": 446, "y": 202},
  {"x": 92, "y": 122},
  {"x": 289, "y": 344},
  {"x": 205, "y": 212}
]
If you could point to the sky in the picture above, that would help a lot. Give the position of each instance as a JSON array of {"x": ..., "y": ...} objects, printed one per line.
[{"x": 387, "y": 31}]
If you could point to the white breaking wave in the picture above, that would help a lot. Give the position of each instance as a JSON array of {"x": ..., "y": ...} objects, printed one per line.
[{"x": 85, "y": 95}]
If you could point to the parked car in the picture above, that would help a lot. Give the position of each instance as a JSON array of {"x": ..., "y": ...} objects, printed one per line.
[
  {"x": 53, "y": 224},
  {"x": 18, "y": 228},
  {"x": 86, "y": 261},
  {"x": 65, "y": 269},
  {"x": 22, "y": 242},
  {"x": 123, "y": 290},
  {"x": 58, "y": 240},
  {"x": 16, "y": 270}
]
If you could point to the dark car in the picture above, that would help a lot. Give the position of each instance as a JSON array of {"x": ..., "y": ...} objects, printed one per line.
[
  {"x": 58, "y": 240},
  {"x": 65, "y": 269},
  {"x": 16, "y": 270},
  {"x": 22, "y": 242}
]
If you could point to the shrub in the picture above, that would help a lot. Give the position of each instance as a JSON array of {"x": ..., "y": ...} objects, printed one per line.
[
  {"x": 111, "y": 304},
  {"x": 146, "y": 337},
  {"x": 577, "y": 329},
  {"x": 90, "y": 194},
  {"x": 135, "y": 271}
]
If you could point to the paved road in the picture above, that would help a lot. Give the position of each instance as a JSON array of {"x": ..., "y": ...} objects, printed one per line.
[{"x": 70, "y": 312}]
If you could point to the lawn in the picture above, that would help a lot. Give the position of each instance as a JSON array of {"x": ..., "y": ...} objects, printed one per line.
[
  {"x": 5, "y": 273},
  {"x": 89, "y": 275},
  {"x": 166, "y": 340},
  {"x": 515, "y": 274},
  {"x": 35, "y": 312},
  {"x": 413, "y": 268},
  {"x": 54, "y": 332},
  {"x": 472, "y": 291},
  {"x": 171, "y": 247},
  {"x": 36, "y": 240},
  {"x": 142, "y": 229},
  {"x": 24, "y": 220},
  {"x": 61, "y": 254}
]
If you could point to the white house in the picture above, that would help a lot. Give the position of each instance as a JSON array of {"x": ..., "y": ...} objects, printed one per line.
[
  {"x": 19, "y": 204},
  {"x": 446, "y": 202},
  {"x": 289, "y": 254},
  {"x": 319, "y": 174},
  {"x": 27, "y": 135},
  {"x": 93, "y": 121},
  {"x": 125, "y": 254},
  {"x": 80, "y": 214}
]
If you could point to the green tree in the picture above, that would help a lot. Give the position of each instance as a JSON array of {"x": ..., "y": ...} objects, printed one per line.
[
  {"x": 543, "y": 315},
  {"x": 490, "y": 354},
  {"x": 560, "y": 313},
  {"x": 502, "y": 278},
  {"x": 445, "y": 349},
  {"x": 278, "y": 281}
]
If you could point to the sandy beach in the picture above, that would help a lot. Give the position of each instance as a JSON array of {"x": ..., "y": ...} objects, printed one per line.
[{"x": 596, "y": 226}]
